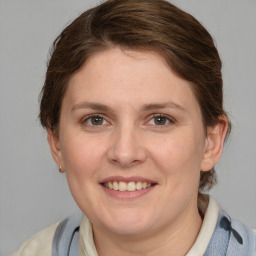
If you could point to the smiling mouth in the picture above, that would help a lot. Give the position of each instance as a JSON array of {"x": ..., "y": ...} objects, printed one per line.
[{"x": 127, "y": 186}]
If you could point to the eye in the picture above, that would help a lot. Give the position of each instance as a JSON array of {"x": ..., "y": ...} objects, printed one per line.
[
  {"x": 160, "y": 120},
  {"x": 94, "y": 120}
]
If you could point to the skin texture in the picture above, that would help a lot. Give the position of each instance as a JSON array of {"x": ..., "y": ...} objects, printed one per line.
[{"x": 127, "y": 91}]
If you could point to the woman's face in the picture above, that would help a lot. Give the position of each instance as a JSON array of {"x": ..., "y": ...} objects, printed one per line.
[{"x": 132, "y": 142}]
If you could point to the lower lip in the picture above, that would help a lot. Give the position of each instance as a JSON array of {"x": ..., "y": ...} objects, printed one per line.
[{"x": 128, "y": 195}]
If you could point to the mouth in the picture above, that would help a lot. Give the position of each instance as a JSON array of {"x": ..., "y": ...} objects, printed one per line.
[
  {"x": 130, "y": 186},
  {"x": 127, "y": 188}
]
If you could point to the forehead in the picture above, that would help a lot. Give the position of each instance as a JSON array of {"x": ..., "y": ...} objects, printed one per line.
[{"x": 125, "y": 76}]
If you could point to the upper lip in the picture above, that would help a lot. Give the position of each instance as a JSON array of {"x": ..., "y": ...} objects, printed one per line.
[{"x": 127, "y": 179}]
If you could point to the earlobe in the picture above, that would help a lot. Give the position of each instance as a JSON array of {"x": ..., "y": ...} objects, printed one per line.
[
  {"x": 55, "y": 147},
  {"x": 214, "y": 144}
]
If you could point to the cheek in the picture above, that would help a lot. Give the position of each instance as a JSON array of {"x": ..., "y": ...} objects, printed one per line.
[
  {"x": 179, "y": 156},
  {"x": 81, "y": 154},
  {"x": 82, "y": 158}
]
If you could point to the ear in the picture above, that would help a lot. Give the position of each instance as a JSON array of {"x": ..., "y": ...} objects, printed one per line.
[
  {"x": 214, "y": 144},
  {"x": 54, "y": 144}
]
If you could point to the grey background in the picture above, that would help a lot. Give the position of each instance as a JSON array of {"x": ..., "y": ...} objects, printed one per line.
[{"x": 32, "y": 192}]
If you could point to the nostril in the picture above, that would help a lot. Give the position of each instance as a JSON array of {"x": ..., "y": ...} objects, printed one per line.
[{"x": 125, "y": 149}]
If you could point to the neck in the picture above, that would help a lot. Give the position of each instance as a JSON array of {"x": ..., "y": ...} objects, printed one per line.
[{"x": 174, "y": 239}]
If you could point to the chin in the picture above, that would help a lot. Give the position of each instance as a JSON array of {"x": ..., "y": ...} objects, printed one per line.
[
  {"x": 129, "y": 224},
  {"x": 129, "y": 230}
]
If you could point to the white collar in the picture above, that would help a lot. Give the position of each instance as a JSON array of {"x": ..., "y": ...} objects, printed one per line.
[
  {"x": 86, "y": 243},
  {"x": 87, "y": 246},
  {"x": 207, "y": 229}
]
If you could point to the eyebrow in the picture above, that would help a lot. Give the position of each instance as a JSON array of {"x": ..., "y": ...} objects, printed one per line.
[
  {"x": 94, "y": 106},
  {"x": 153, "y": 106},
  {"x": 144, "y": 108}
]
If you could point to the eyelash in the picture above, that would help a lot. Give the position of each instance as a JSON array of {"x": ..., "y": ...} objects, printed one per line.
[
  {"x": 89, "y": 118},
  {"x": 151, "y": 118},
  {"x": 168, "y": 119}
]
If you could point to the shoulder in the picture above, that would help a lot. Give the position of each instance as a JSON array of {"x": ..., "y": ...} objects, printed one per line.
[
  {"x": 254, "y": 231},
  {"x": 226, "y": 234},
  {"x": 242, "y": 239},
  {"x": 40, "y": 244}
]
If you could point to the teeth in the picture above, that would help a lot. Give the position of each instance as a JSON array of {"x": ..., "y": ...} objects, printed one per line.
[
  {"x": 122, "y": 186},
  {"x": 130, "y": 186},
  {"x": 115, "y": 185},
  {"x": 110, "y": 185},
  {"x": 139, "y": 185}
]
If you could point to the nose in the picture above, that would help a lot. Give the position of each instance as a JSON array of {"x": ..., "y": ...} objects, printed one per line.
[{"x": 126, "y": 148}]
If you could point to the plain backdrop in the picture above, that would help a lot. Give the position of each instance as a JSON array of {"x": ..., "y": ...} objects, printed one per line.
[{"x": 33, "y": 194}]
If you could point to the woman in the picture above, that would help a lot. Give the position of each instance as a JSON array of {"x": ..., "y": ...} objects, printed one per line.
[{"x": 132, "y": 104}]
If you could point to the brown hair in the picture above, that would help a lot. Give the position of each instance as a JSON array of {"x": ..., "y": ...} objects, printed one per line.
[{"x": 149, "y": 25}]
